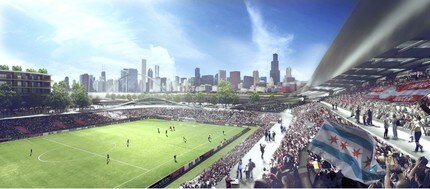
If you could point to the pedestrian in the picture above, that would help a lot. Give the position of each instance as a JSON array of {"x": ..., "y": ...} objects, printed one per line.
[
  {"x": 369, "y": 117},
  {"x": 395, "y": 123},
  {"x": 228, "y": 181},
  {"x": 269, "y": 135},
  {"x": 262, "y": 146},
  {"x": 247, "y": 171},
  {"x": 335, "y": 105},
  {"x": 386, "y": 126},
  {"x": 364, "y": 119},
  {"x": 239, "y": 170},
  {"x": 357, "y": 114},
  {"x": 251, "y": 167},
  {"x": 417, "y": 133},
  {"x": 273, "y": 136}
]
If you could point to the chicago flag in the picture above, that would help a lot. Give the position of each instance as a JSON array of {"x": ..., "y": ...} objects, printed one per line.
[{"x": 350, "y": 149}]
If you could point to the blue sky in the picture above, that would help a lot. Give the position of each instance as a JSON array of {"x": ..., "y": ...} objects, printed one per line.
[{"x": 73, "y": 37}]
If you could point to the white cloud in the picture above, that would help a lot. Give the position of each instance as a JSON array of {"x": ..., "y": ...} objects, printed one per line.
[
  {"x": 5, "y": 56},
  {"x": 86, "y": 36},
  {"x": 268, "y": 42}
]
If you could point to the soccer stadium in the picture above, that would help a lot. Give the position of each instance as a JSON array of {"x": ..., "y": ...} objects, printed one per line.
[{"x": 356, "y": 114}]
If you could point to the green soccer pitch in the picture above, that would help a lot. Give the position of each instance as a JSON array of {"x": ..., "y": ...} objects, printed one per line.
[{"x": 78, "y": 159}]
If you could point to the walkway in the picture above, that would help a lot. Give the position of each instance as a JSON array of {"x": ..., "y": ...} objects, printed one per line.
[
  {"x": 255, "y": 155},
  {"x": 402, "y": 143}
]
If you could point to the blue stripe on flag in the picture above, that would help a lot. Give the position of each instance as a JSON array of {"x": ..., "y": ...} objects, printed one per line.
[
  {"x": 350, "y": 136},
  {"x": 356, "y": 168}
]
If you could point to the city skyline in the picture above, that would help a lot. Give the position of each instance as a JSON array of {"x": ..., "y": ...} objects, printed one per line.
[{"x": 91, "y": 36}]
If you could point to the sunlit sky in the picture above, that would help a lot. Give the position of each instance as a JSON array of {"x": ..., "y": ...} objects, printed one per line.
[{"x": 73, "y": 37}]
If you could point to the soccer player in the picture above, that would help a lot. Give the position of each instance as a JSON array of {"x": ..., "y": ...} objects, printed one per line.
[
  {"x": 184, "y": 139},
  {"x": 209, "y": 138},
  {"x": 158, "y": 130},
  {"x": 107, "y": 159},
  {"x": 128, "y": 142},
  {"x": 174, "y": 158},
  {"x": 173, "y": 128},
  {"x": 223, "y": 133},
  {"x": 31, "y": 152},
  {"x": 166, "y": 133}
]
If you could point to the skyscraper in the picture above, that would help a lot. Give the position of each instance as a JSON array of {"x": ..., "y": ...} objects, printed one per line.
[
  {"x": 207, "y": 80},
  {"x": 274, "y": 71},
  {"x": 157, "y": 71},
  {"x": 102, "y": 83},
  {"x": 247, "y": 82},
  {"x": 87, "y": 81},
  {"x": 235, "y": 79},
  {"x": 288, "y": 72},
  {"x": 66, "y": 80},
  {"x": 256, "y": 77},
  {"x": 150, "y": 80},
  {"x": 143, "y": 73},
  {"x": 128, "y": 81},
  {"x": 197, "y": 77},
  {"x": 222, "y": 76}
]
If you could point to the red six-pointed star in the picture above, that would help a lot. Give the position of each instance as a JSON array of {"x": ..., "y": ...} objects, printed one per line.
[
  {"x": 333, "y": 139},
  {"x": 356, "y": 152},
  {"x": 367, "y": 162},
  {"x": 343, "y": 145}
]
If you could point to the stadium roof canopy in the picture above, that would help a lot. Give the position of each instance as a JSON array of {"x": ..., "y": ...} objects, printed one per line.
[{"x": 380, "y": 39}]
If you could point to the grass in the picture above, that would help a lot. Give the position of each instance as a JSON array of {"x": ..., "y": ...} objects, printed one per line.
[
  {"x": 208, "y": 162},
  {"x": 78, "y": 159}
]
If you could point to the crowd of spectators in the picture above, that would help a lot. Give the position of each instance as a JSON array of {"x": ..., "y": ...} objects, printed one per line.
[
  {"x": 304, "y": 126},
  {"x": 28, "y": 126},
  {"x": 209, "y": 177},
  {"x": 356, "y": 103}
]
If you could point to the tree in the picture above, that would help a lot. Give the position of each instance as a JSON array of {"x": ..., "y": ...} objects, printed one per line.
[
  {"x": 4, "y": 67},
  {"x": 35, "y": 100},
  {"x": 200, "y": 98},
  {"x": 213, "y": 99},
  {"x": 255, "y": 97},
  {"x": 96, "y": 100},
  {"x": 107, "y": 95},
  {"x": 16, "y": 68},
  {"x": 43, "y": 70},
  {"x": 80, "y": 96},
  {"x": 59, "y": 98},
  {"x": 225, "y": 93},
  {"x": 188, "y": 98},
  {"x": 113, "y": 96},
  {"x": 272, "y": 97},
  {"x": 30, "y": 70},
  {"x": 9, "y": 99}
]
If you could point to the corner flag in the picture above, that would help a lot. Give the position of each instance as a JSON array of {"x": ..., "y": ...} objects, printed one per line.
[{"x": 349, "y": 149}]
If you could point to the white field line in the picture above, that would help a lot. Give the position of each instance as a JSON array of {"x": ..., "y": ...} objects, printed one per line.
[
  {"x": 61, "y": 161},
  {"x": 166, "y": 162},
  {"x": 125, "y": 163}
]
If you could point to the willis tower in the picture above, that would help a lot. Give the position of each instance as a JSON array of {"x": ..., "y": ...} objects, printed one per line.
[{"x": 274, "y": 70}]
